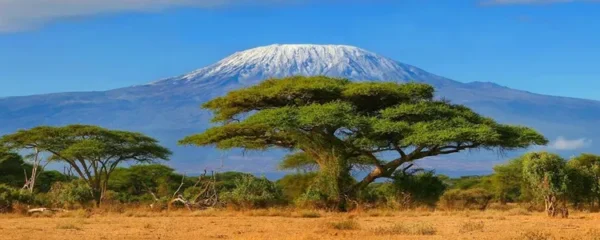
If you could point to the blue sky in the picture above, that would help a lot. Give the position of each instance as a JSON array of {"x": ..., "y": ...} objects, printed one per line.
[{"x": 543, "y": 46}]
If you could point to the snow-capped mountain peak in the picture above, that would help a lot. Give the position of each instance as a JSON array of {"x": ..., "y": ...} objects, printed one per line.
[{"x": 282, "y": 60}]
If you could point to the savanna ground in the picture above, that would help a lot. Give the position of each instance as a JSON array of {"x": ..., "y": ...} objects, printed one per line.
[{"x": 282, "y": 224}]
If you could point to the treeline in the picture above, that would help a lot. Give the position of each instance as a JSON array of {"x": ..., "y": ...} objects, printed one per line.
[
  {"x": 333, "y": 127},
  {"x": 538, "y": 181}
]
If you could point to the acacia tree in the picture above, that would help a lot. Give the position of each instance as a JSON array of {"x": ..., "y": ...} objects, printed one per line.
[
  {"x": 343, "y": 124},
  {"x": 92, "y": 152},
  {"x": 547, "y": 175}
]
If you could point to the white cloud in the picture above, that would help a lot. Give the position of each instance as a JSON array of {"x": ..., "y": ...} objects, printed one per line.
[
  {"x": 19, "y": 15},
  {"x": 562, "y": 143}
]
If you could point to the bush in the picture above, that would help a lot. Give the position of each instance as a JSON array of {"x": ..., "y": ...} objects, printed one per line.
[
  {"x": 295, "y": 185},
  {"x": 418, "y": 188},
  {"x": 313, "y": 199},
  {"x": 473, "y": 199},
  {"x": 10, "y": 196},
  {"x": 251, "y": 192},
  {"x": 70, "y": 194}
]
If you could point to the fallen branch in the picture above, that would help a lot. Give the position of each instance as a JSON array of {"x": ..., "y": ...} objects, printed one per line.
[{"x": 39, "y": 210}]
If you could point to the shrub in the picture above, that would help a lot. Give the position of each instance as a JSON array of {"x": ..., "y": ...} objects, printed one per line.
[
  {"x": 251, "y": 192},
  {"x": 418, "y": 187},
  {"x": 313, "y": 199},
  {"x": 10, "y": 196},
  {"x": 473, "y": 199},
  {"x": 410, "y": 189},
  {"x": 294, "y": 185},
  {"x": 70, "y": 194}
]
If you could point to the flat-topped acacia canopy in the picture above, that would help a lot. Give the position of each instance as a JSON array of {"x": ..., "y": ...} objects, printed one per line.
[
  {"x": 93, "y": 152},
  {"x": 338, "y": 122}
]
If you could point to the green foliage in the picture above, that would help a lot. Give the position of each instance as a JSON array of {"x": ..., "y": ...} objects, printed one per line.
[
  {"x": 584, "y": 173},
  {"x": 546, "y": 173},
  {"x": 294, "y": 185},
  {"x": 341, "y": 125},
  {"x": 93, "y": 152},
  {"x": 226, "y": 181},
  {"x": 10, "y": 196},
  {"x": 135, "y": 183},
  {"x": 252, "y": 192},
  {"x": 299, "y": 161},
  {"x": 48, "y": 178},
  {"x": 419, "y": 188},
  {"x": 11, "y": 169},
  {"x": 458, "y": 199},
  {"x": 406, "y": 190},
  {"x": 76, "y": 193},
  {"x": 469, "y": 182},
  {"x": 509, "y": 184}
]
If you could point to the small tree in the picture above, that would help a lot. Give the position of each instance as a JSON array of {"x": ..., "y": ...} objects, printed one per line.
[
  {"x": 586, "y": 168},
  {"x": 548, "y": 178},
  {"x": 508, "y": 182},
  {"x": 11, "y": 169},
  {"x": 343, "y": 124},
  {"x": 93, "y": 152}
]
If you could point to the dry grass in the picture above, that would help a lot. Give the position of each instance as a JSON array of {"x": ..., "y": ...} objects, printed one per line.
[
  {"x": 472, "y": 227},
  {"x": 310, "y": 215},
  {"x": 412, "y": 229},
  {"x": 345, "y": 225},
  {"x": 292, "y": 224}
]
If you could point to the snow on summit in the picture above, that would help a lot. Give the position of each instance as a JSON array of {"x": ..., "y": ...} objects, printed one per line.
[{"x": 282, "y": 60}]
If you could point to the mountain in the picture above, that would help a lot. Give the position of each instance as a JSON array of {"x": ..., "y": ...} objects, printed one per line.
[{"x": 169, "y": 108}]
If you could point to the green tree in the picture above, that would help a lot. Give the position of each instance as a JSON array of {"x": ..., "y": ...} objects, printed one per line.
[
  {"x": 144, "y": 182},
  {"x": 343, "y": 124},
  {"x": 12, "y": 168},
  {"x": 419, "y": 186},
  {"x": 586, "y": 170},
  {"x": 547, "y": 175},
  {"x": 508, "y": 182},
  {"x": 47, "y": 178},
  {"x": 93, "y": 152}
]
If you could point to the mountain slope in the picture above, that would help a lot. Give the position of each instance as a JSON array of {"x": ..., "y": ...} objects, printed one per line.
[{"x": 169, "y": 108}]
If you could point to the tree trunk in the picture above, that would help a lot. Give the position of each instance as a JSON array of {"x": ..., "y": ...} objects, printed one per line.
[
  {"x": 335, "y": 181},
  {"x": 551, "y": 205},
  {"x": 97, "y": 194}
]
